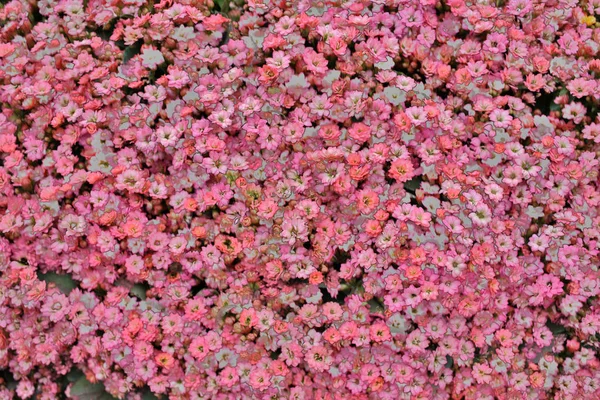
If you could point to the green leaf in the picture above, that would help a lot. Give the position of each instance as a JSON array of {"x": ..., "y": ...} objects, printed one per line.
[
  {"x": 556, "y": 329},
  {"x": 223, "y": 6},
  {"x": 63, "y": 282},
  {"x": 136, "y": 289},
  {"x": 139, "y": 291},
  {"x": 131, "y": 51},
  {"x": 74, "y": 375},
  {"x": 376, "y": 306},
  {"x": 414, "y": 184},
  {"x": 148, "y": 395},
  {"x": 85, "y": 390}
]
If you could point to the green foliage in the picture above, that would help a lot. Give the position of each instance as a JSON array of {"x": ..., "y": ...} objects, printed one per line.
[
  {"x": 222, "y": 5},
  {"x": 63, "y": 282},
  {"x": 139, "y": 291},
  {"x": 85, "y": 390},
  {"x": 132, "y": 51}
]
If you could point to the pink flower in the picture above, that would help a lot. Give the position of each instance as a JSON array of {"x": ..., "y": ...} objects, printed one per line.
[
  {"x": 500, "y": 118},
  {"x": 294, "y": 229},
  {"x": 260, "y": 379},
  {"x": 56, "y": 307},
  {"x": 416, "y": 342},
  {"x": 199, "y": 348},
  {"x": 317, "y": 358},
  {"x": 315, "y": 62},
  {"x": 402, "y": 170},
  {"x": 228, "y": 377},
  {"x": 360, "y": 132},
  {"x": 379, "y": 332}
]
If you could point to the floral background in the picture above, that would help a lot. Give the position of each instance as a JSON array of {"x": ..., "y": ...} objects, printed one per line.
[{"x": 388, "y": 199}]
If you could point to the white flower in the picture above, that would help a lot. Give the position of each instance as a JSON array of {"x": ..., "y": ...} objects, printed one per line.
[{"x": 152, "y": 58}]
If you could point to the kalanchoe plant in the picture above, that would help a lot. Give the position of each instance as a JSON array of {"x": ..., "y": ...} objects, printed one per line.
[{"x": 213, "y": 199}]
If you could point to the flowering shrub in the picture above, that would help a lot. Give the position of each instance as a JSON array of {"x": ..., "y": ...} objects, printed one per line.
[{"x": 388, "y": 199}]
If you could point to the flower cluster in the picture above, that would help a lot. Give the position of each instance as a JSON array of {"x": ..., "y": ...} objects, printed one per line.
[{"x": 386, "y": 199}]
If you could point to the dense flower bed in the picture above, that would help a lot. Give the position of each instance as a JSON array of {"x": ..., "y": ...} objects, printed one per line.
[{"x": 387, "y": 199}]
